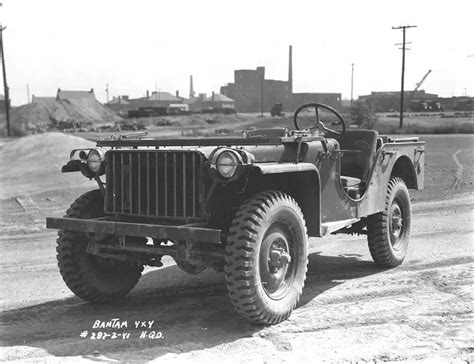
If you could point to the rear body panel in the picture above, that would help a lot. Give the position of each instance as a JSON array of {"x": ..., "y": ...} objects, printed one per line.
[{"x": 336, "y": 205}]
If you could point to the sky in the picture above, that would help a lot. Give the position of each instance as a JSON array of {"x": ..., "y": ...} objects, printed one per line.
[{"x": 135, "y": 45}]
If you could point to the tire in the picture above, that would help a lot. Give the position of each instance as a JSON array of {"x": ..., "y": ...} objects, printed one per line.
[
  {"x": 264, "y": 286},
  {"x": 388, "y": 231},
  {"x": 90, "y": 277}
]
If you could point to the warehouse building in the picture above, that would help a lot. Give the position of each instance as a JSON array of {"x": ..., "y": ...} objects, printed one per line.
[{"x": 386, "y": 101}]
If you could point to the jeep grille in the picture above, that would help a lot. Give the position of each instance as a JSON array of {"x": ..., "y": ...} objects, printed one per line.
[{"x": 154, "y": 183}]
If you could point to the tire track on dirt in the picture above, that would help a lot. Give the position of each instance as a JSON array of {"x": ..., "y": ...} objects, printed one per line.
[{"x": 458, "y": 173}]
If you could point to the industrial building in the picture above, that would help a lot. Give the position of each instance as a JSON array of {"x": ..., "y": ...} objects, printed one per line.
[
  {"x": 251, "y": 90},
  {"x": 214, "y": 103},
  {"x": 119, "y": 103},
  {"x": 42, "y": 99},
  {"x": 386, "y": 101},
  {"x": 157, "y": 99},
  {"x": 457, "y": 103},
  {"x": 75, "y": 95}
]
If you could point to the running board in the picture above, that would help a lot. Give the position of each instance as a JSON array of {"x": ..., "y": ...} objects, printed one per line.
[{"x": 330, "y": 227}]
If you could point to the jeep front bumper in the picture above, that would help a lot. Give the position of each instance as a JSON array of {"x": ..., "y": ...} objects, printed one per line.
[{"x": 106, "y": 225}]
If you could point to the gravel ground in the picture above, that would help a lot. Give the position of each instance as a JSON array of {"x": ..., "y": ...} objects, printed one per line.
[{"x": 350, "y": 310}]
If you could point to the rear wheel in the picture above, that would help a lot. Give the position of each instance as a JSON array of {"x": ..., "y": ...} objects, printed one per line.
[
  {"x": 266, "y": 258},
  {"x": 91, "y": 277},
  {"x": 388, "y": 231}
]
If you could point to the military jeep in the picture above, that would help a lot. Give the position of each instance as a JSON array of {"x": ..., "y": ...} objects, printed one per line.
[{"x": 242, "y": 205}]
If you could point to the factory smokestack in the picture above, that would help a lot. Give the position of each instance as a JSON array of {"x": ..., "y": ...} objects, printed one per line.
[
  {"x": 290, "y": 70},
  {"x": 191, "y": 88}
]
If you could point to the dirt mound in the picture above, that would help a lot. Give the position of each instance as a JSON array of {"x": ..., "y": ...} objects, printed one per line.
[
  {"x": 81, "y": 111},
  {"x": 192, "y": 120},
  {"x": 33, "y": 163}
]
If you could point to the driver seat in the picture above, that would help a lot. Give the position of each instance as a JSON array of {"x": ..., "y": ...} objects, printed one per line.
[{"x": 355, "y": 166}]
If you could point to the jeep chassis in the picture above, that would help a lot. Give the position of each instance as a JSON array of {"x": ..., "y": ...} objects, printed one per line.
[{"x": 243, "y": 205}]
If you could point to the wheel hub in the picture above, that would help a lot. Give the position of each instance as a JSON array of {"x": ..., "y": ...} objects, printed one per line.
[
  {"x": 275, "y": 261},
  {"x": 396, "y": 221},
  {"x": 278, "y": 258}
]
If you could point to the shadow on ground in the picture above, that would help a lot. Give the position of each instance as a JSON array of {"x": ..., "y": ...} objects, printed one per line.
[{"x": 191, "y": 316}]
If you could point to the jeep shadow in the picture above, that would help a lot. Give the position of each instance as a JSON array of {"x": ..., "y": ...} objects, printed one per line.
[{"x": 192, "y": 317}]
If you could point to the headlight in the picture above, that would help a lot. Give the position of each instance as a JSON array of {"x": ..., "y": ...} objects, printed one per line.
[
  {"x": 94, "y": 159},
  {"x": 227, "y": 163}
]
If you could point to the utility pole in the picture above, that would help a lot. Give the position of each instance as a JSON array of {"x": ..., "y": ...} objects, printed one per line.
[
  {"x": 261, "y": 95},
  {"x": 352, "y": 84},
  {"x": 28, "y": 92},
  {"x": 5, "y": 85},
  {"x": 404, "y": 28},
  {"x": 107, "y": 91}
]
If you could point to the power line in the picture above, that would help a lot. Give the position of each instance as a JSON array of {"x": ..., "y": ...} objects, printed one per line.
[{"x": 403, "y": 28}]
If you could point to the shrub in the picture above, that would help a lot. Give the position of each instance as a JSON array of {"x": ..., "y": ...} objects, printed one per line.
[{"x": 363, "y": 115}]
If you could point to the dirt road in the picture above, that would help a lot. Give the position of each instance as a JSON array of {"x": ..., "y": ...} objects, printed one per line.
[{"x": 350, "y": 311}]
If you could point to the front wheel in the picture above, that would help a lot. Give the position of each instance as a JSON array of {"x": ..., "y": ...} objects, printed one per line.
[
  {"x": 388, "y": 231},
  {"x": 90, "y": 277},
  {"x": 266, "y": 258}
]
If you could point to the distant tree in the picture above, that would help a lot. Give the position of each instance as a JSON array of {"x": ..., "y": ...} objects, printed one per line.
[{"x": 363, "y": 115}]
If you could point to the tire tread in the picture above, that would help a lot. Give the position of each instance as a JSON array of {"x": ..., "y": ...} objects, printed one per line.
[
  {"x": 240, "y": 250},
  {"x": 75, "y": 274},
  {"x": 377, "y": 229}
]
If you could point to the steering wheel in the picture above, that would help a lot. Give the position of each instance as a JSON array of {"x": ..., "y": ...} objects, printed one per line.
[{"x": 319, "y": 123}]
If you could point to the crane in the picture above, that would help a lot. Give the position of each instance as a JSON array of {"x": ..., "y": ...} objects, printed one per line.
[{"x": 418, "y": 85}]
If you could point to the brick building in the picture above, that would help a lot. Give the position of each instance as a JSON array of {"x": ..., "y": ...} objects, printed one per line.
[
  {"x": 250, "y": 88},
  {"x": 246, "y": 90}
]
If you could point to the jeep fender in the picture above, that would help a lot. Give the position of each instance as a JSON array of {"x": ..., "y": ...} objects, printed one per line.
[
  {"x": 299, "y": 180},
  {"x": 393, "y": 161}
]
